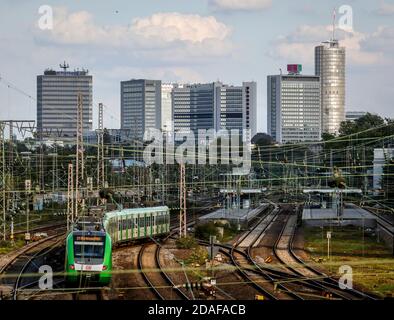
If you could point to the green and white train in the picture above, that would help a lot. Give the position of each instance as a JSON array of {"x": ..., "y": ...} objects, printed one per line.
[{"x": 89, "y": 244}]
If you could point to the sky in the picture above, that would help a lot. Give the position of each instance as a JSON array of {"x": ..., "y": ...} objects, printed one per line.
[{"x": 191, "y": 41}]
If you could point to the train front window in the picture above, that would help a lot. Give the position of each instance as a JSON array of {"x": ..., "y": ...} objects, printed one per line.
[{"x": 89, "y": 248}]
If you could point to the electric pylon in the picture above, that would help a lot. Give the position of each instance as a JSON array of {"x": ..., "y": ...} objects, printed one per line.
[
  {"x": 182, "y": 201},
  {"x": 3, "y": 202},
  {"x": 70, "y": 196},
  {"x": 80, "y": 164},
  {"x": 100, "y": 150}
]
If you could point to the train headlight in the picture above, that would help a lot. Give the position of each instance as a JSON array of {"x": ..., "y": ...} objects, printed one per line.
[
  {"x": 105, "y": 268},
  {"x": 72, "y": 267}
]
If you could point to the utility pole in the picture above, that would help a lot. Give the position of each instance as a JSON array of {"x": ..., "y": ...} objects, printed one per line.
[
  {"x": 54, "y": 172},
  {"x": 27, "y": 190},
  {"x": 80, "y": 164},
  {"x": 40, "y": 164},
  {"x": 70, "y": 196},
  {"x": 100, "y": 151},
  {"x": 3, "y": 202},
  {"x": 10, "y": 167},
  {"x": 182, "y": 201}
]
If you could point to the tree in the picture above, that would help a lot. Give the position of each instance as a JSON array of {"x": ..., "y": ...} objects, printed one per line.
[
  {"x": 262, "y": 139},
  {"x": 361, "y": 124}
]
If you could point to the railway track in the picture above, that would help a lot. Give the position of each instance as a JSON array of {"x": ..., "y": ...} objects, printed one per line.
[
  {"x": 21, "y": 273},
  {"x": 311, "y": 277},
  {"x": 240, "y": 260},
  {"x": 154, "y": 275},
  {"x": 384, "y": 223}
]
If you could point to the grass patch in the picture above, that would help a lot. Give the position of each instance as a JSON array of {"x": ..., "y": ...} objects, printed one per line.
[
  {"x": 7, "y": 247},
  {"x": 372, "y": 262}
]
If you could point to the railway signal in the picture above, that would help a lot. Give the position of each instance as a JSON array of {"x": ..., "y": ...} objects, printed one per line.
[
  {"x": 328, "y": 244},
  {"x": 28, "y": 190}
]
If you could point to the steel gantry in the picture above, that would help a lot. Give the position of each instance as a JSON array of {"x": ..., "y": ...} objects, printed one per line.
[
  {"x": 3, "y": 202},
  {"x": 182, "y": 201},
  {"x": 80, "y": 162},
  {"x": 100, "y": 150},
  {"x": 70, "y": 196}
]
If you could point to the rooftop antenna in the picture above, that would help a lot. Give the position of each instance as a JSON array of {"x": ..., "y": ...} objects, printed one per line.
[
  {"x": 64, "y": 66},
  {"x": 333, "y": 24}
]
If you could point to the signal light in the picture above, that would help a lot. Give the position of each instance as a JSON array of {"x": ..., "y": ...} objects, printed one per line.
[
  {"x": 72, "y": 267},
  {"x": 104, "y": 268}
]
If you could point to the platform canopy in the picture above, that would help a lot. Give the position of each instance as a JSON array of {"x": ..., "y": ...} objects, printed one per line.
[
  {"x": 332, "y": 190},
  {"x": 245, "y": 191}
]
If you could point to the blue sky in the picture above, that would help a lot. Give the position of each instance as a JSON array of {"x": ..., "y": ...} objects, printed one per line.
[{"x": 191, "y": 41}]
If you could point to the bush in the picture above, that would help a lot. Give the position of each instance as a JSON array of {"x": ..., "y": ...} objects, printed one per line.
[
  {"x": 186, "y": 243},
  {"x": 204, "y": 231},
  {"x": 5, "y": 244},
  {"x": 199, "y": 255}
]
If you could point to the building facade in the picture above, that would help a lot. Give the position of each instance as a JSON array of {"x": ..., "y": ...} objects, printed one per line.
[
  {"x": 57, "y": 94},
  {"x": 166, "y": 106},
  {"x": 354, "y": 115},
  {"x": 294, "y": 110},
  {"x": 236, "y": 107},
  {"x": 215, "y": 106},
  {"x": 140, "y": 106},
  {"x": 194, "y": 107},
  {"x": 330, "y": 64}
]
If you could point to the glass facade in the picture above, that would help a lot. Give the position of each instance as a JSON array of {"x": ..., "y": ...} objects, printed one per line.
[
  {"x": 215, "y": 106},
  {"x": 330, "y": 66},
  {"x": 140, "y": 106}
]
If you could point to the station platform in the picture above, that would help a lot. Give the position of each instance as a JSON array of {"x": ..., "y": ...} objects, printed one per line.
[
  {"x": 241, "y": 216},
  {"x": 352, "y": 215}
]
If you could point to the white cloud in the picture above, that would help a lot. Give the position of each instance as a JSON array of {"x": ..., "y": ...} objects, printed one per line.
[
  {"x": 241, "y": 5},
  {"x": 180, "y": 27},
  {"x": 163, "y": 35},
  {"x": 385, "y": 9},
  {"x": 299, "y": 45}
]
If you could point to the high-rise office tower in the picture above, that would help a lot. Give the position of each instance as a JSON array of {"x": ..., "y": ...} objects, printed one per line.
[
  {"x": 140, "y": 106},
  {"x": 236, "y": 107},
  {"x": 215, "y": 106},
  {"x": 194, "y": 107},
  {"x": 166, "y": 105},
  {"x": 293, "y": 102},
  {"x": 57, "y": 93},
  {"x": 330, "y": 67}
]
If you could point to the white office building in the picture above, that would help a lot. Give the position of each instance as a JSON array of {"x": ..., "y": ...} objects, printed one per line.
[
  {"x": 293, "y": 103},
  {"x": 166, "y": 106},
  {"x": 57, "y": 97}
]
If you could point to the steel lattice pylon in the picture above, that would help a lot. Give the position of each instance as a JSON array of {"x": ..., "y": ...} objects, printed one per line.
[
  {"x": 70, "y": 196},
  {"x": 100, "y": 150},
  {"x": 182, "y": 201},
  {"x": 80, "y": 163},
  {"x": 3, "y": 201}
]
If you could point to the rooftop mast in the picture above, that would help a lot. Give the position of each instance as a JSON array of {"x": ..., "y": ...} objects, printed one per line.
[
  {"x": 333, "y": 25},
  {"x": 64, "y": 66}
]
